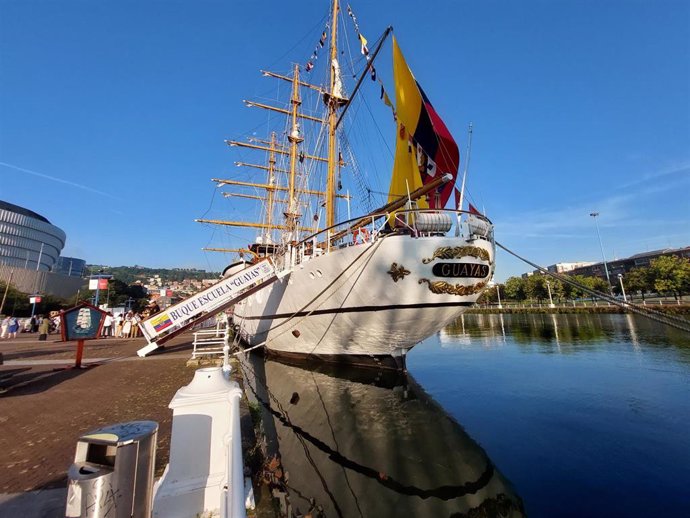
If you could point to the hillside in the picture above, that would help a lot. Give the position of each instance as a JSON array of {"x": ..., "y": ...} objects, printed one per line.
[{"x": 130, "y": 274}]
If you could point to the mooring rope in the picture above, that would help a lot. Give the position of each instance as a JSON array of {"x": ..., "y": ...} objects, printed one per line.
[{"x": 664, "y": 318}]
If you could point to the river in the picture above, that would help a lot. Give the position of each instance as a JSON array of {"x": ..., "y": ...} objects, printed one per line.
[
  {"x": 587, "y": 415},
  {"x": 500, "y": 415}
]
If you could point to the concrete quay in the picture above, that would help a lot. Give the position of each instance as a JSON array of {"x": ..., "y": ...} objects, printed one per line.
[{"x": 45, "y": 408}]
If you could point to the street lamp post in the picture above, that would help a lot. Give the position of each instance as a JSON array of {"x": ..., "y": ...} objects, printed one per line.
[
  {"x": 603, "y": 256},
  {"x": 548, "y": 287},
  {"x": 620, "y": 279}
]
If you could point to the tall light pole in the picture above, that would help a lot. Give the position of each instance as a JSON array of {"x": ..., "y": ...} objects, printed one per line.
[
  {"x": 548, "y": 287},
  {"x": 7, "y": 288},
  {"x": 606, "y": 267},
  {"x": 620, "y": 279}
]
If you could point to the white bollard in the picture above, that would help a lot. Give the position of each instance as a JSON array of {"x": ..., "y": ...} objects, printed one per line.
[{"x": 203, "y": 424}]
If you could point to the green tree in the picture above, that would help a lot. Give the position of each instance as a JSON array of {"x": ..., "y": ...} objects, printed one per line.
[
  {"x": 17, "y": 302},
  {"x": 600, "y": 285},
  {"x": 489, "y": 295},
  {"x": 639, "y": 279},
  {"x": 536, "y": 287},
  {"x": 117, "y": 294},
  {"x": 671, "y": 274},
  {"x": 514, "y": 289},
  {"x": 576, "y": 291}
]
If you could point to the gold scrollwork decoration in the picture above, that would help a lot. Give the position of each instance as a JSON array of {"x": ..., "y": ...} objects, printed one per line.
[
  {"x": 454, "y": 252},
  {"x": 398, "y": 272},
  {"x": 442, "y": 287}
]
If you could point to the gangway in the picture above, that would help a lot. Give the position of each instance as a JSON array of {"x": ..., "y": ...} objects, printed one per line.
[
  {"x": 161, "y": 327},
  {"x": 210, "y": 342}
]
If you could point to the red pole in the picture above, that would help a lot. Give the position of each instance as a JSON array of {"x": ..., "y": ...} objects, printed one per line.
[{"x": 80, "y": 352}]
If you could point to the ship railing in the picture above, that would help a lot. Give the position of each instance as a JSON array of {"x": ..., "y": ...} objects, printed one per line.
[
  {"x": 210, "y": 342},
  {"x": 414, "y": 221}
]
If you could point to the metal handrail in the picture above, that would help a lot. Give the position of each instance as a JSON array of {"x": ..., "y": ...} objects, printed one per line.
[
  {"x": 387, "y": 215},
  {"x": 216, "y": 337}
]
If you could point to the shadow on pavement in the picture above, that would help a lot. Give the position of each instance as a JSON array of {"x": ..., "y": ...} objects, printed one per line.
[
  {"x": 34, "y": 381},
  {"x": 49, "y": 503},
  {"x": 7, "y": 374},
  {"x": 172, "y": 348},
  {"x": 22, "y": 355},
  {"x": 46, "y": 501}
]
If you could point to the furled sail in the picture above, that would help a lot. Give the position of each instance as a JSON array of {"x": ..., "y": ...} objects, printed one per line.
[{"x": 424, "y": 146}]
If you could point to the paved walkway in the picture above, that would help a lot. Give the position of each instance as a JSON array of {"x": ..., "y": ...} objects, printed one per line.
[{"x": 43, "y": 410}]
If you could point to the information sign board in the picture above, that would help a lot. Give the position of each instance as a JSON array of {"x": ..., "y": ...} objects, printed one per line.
[{"x": 82, "y": 322}]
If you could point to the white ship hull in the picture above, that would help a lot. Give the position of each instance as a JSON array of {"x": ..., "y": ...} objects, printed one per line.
[{"x": 349, "y": 303}]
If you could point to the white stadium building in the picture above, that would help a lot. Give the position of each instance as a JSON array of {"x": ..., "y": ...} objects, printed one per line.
[
  {"x": 29, "y": 250},
  {"x": 27, "y": 238}
]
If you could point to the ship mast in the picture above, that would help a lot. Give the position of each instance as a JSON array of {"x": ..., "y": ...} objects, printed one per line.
[
  {"x": 295, "y": 138},
  {"x": 270, "y": 193},
  {"x": 332, "y": 120},
  {"x": 334, "y": 100}
]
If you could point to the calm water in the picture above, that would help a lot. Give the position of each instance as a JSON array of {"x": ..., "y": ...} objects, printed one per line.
[
  {"x": 543, "y": 415},
  {"x": 587, "y": 415}
]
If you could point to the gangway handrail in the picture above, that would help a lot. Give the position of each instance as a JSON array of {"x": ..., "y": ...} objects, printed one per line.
[{"x": 204, "y": 344}]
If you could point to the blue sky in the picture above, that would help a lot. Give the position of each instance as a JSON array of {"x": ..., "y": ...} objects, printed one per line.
[{"x": 113, "y": 116}]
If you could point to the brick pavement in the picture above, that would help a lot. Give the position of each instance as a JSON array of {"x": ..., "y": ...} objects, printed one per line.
[{"x": 44, "y": 411}]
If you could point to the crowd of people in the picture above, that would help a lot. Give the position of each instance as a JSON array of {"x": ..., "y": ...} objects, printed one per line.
[
  {"x": 43, "y": 325},
  {"x": 120, "y": 325},
  {"x": 126, "y": 325}
]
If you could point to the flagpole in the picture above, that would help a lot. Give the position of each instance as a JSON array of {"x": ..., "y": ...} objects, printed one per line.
[
  {"x": 464, "y": 177},
  {"x": 40, "y": 255}
]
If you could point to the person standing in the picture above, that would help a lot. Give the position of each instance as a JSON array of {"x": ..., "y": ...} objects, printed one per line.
[
  {"x": 56, "y": 323},
  {"x": 5, "y": 324},
  {"x": 134, "y": 332},
  {"x": 107, "y": 325},
  {"x": 118, "y": 325},
  {"x": 127, "y": 327},
  {"x": 43, "y": 328},
  {"x": 13, "y": 327}
]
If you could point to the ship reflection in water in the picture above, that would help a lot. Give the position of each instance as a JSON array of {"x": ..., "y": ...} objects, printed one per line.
[{"x": 357, "y": 442}]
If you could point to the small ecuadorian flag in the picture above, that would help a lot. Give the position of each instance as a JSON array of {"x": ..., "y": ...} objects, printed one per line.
[
  {"x": 424, "y": 148},
  {"x": 161, "y": 322}
]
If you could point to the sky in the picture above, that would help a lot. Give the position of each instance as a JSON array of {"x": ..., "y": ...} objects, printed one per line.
[{"x": 113, "y": 116}]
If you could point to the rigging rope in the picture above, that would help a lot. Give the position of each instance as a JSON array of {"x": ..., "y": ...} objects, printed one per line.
[
  {"x": 288, "y": 319},
  {"x": 360, "y": 180},
  {"x": 658, "y": 316}
]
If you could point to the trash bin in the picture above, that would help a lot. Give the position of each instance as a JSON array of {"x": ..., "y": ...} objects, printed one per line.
[{"x": 112, "y": 474}]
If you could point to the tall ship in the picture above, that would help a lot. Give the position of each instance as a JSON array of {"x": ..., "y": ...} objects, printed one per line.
[{"x": 363, "y": 273}]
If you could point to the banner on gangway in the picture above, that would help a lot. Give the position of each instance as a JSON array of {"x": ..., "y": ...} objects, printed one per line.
[{"x": 208, "y": 302}]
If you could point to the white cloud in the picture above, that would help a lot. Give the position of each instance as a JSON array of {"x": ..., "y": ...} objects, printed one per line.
[{"x": 59, "y": 180}]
